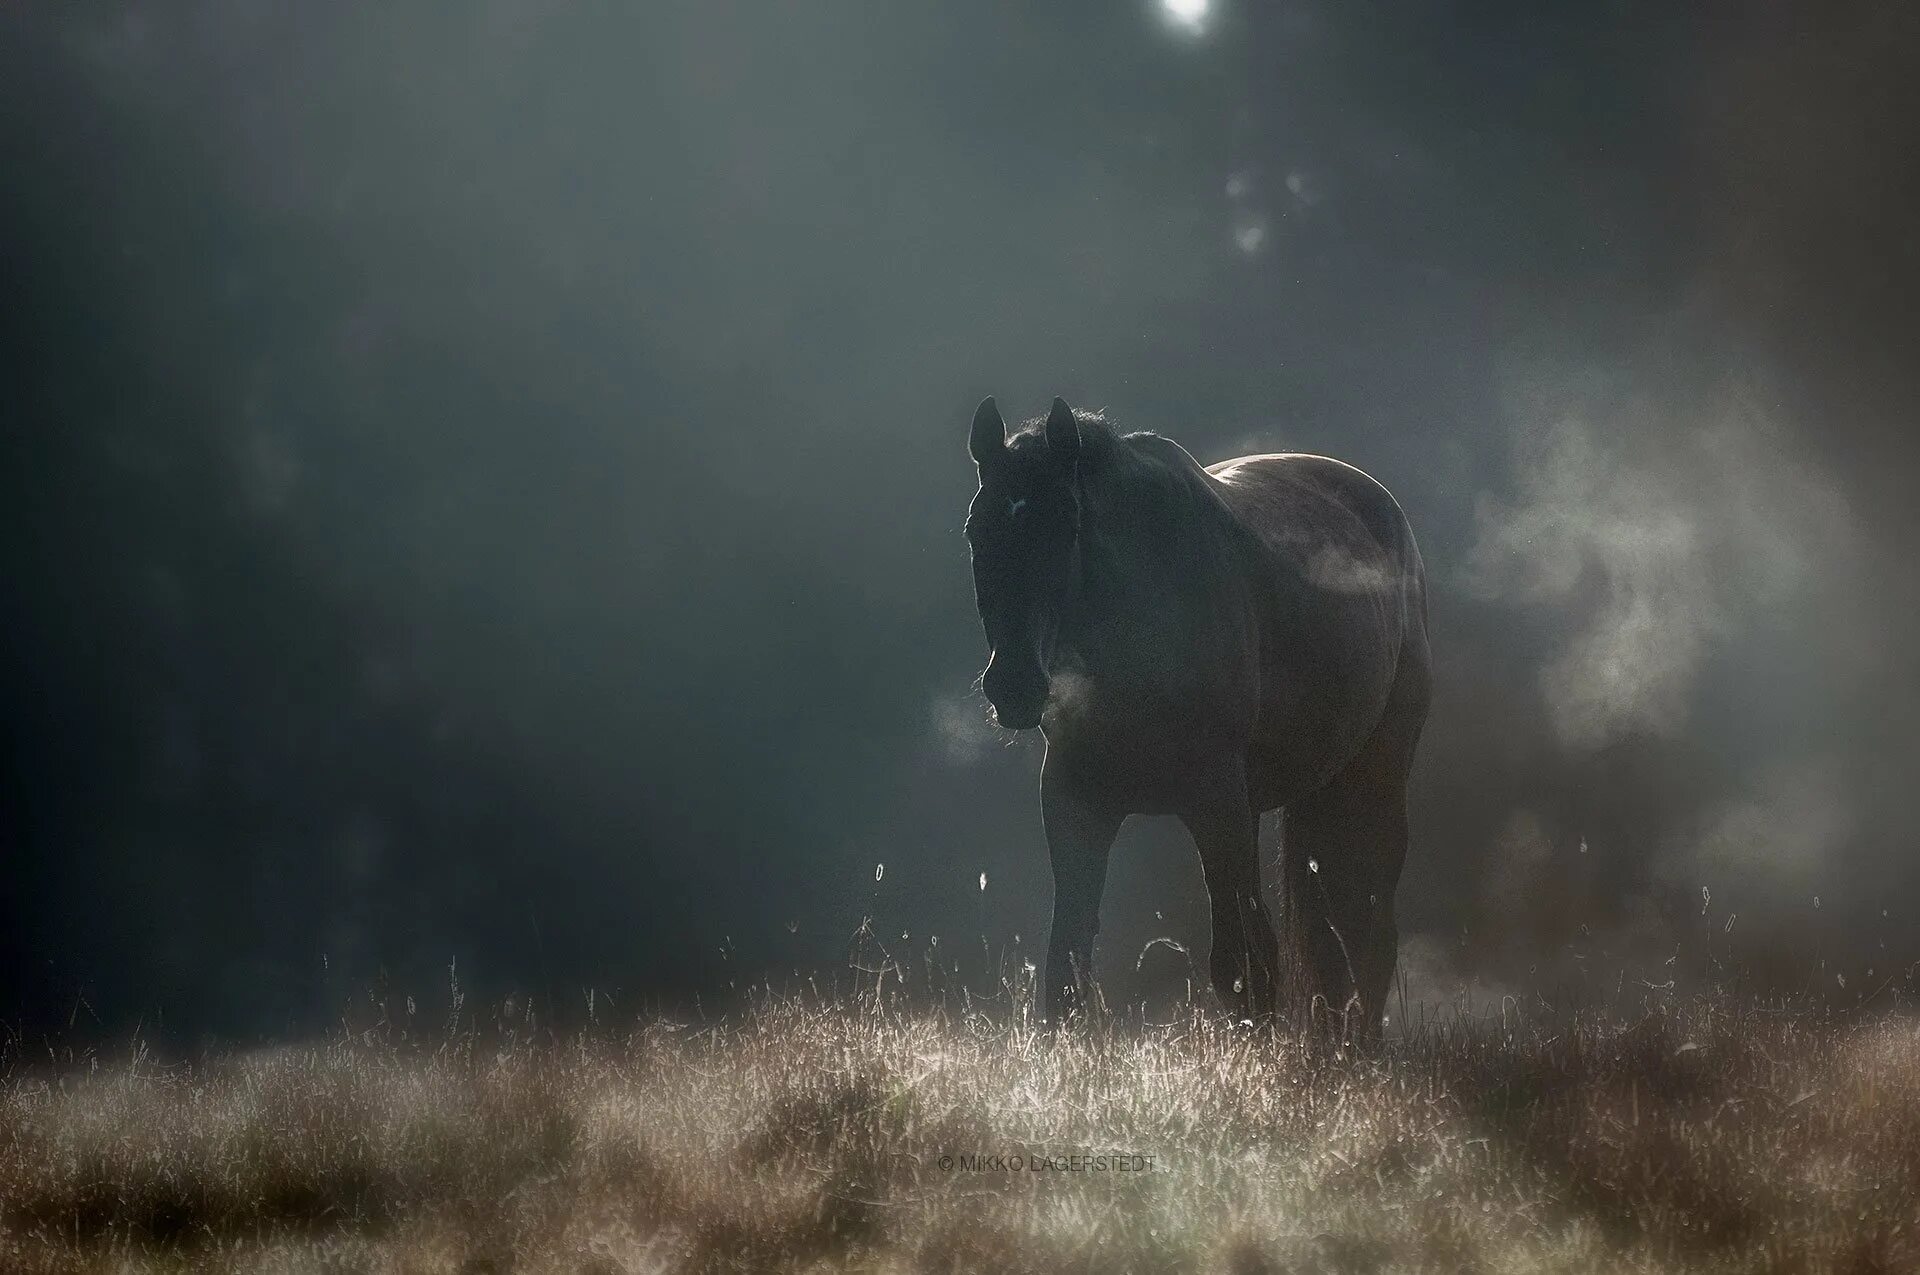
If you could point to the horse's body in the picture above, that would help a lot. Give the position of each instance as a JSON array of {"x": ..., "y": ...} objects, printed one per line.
[{"x": 1210, "y": 643}]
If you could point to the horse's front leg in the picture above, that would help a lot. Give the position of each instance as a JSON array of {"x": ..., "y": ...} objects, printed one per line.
[
  {"x": 1226, "y": 831},
  {"x": 1080, "y": 833}
]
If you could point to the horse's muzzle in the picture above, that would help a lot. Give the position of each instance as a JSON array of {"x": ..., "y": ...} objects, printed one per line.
[
  {"x": 1017, "y": 699},
  {"x": 1022, "y": 716}
]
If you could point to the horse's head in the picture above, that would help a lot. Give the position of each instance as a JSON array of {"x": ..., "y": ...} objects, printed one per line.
[{"x": 1024, "y": 528}]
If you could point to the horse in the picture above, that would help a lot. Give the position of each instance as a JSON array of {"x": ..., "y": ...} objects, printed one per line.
[{"x": 1210, "y": 643}]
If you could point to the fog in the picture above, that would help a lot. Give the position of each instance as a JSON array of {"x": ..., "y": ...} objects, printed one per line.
[{"x": 483, "y": 489}]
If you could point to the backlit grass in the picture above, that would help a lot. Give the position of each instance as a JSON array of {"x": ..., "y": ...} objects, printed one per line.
[{"x": 1695, "y": 1136}]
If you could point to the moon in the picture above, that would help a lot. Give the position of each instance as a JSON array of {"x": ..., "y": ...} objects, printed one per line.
[{"x": 1191, "y": 14}]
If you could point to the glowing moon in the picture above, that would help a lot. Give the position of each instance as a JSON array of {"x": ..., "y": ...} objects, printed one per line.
[{"x": 1191, "y": 14}]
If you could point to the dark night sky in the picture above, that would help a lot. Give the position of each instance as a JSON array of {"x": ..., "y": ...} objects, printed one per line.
[{"x": 487, "y": 484}]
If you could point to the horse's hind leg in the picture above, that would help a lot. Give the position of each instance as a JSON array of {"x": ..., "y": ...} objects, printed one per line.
[{"x": 1342, "y": 851}]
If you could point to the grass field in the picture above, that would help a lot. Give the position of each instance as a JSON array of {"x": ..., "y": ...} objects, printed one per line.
[{"x": 1694, "y": 1136}]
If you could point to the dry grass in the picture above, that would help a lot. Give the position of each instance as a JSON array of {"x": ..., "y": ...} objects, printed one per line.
[{"x": 811, "y": 1138}]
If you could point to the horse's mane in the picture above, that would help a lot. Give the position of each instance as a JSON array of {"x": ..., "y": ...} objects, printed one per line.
[
  {"x": 1096, "y": 430},
  {"x": 1142, "y": 463},
  {"x": 1146, "y": 479},
  {"x": 1103, "y": 447}
]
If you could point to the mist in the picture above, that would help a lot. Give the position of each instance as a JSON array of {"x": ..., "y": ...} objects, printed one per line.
[{"x": 483, "y": 491}]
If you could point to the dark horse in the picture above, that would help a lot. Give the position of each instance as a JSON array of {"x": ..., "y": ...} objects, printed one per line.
[{"x": 1209, "y": 643}]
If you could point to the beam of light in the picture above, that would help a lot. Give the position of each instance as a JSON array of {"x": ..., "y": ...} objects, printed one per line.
[{"x": 1190, "y": 14}]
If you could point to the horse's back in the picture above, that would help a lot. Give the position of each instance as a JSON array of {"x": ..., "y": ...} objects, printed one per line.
[{"x": 1301, "y": 496}]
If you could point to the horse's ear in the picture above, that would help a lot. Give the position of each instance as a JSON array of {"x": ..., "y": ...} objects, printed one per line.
[
  {"x": 1063, "y": 433},
  {"x": 988, "y": 441}
]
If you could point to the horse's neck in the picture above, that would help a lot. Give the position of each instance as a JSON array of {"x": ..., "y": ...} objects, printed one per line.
[{"x": 1154, "y": 549}]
